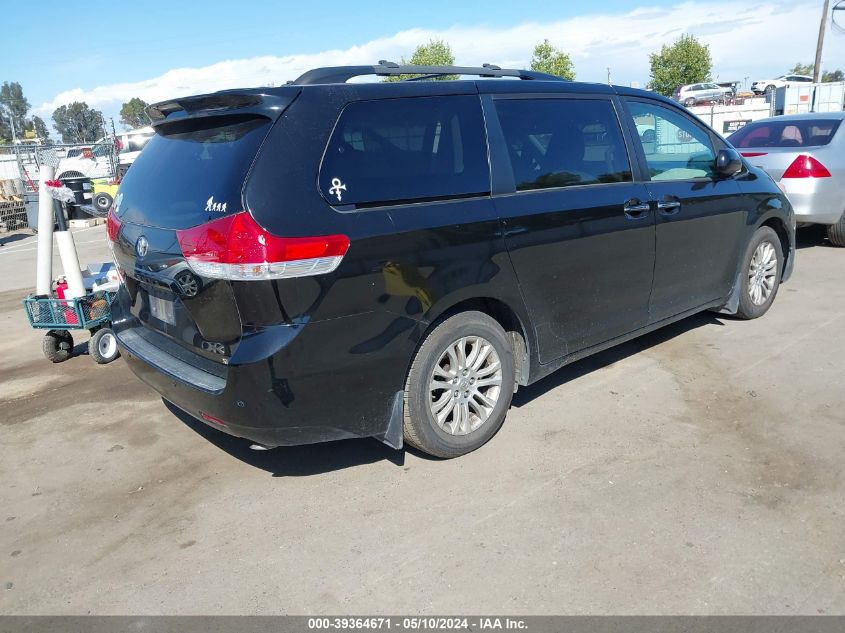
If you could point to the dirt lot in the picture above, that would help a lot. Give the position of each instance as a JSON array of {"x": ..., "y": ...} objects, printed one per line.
[{"x": 697, "y": 470}]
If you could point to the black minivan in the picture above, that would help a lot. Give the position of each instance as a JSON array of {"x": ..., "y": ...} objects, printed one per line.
[{"x": 333, "y": 259}]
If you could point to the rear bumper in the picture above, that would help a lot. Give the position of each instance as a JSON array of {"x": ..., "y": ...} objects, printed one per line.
[
  {"x": 317, "y": 382},
  {"x": 814, "y": 200}
]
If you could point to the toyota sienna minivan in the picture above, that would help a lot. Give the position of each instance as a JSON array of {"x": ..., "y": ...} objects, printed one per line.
[{"x": 328, "y": 260}]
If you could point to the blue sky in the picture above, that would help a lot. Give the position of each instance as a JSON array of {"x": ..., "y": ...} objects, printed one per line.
[
  {"x": 135, "y": 45},
  {"x": 193, "y": 47}
]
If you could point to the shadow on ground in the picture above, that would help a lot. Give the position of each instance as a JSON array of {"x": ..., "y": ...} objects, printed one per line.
[
  {"x": 312, "y": 459},
  {"x": 813, "y": 235},
  {"x": 14, "y": 237},
  {"x": 295, "y": 461},
  {"x": 613, "y": 355}
]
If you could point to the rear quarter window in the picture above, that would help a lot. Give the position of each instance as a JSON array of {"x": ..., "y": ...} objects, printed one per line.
[{"x": 403, "y": 150}]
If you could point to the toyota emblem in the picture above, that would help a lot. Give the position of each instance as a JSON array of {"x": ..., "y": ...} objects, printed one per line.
[{"x": 142, "y": 246}]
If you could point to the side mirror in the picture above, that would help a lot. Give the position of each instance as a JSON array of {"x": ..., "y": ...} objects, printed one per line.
[{"x": 728, "y": 163}]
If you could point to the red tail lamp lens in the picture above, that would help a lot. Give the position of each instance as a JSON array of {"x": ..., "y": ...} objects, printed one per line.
[
  {"x": 236, "y": 247},
  {"x": 806, "y": 167}
]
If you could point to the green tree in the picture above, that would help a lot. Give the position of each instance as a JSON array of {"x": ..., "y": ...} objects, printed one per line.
[
  {"x": 78, "y": 123},
  {"x": 687, "y": 61},
  {"x": 548, "y": 59},
  {"x": 435, "y": 53},
  {"x": 38, "y": 128},
  {"x": 132, "y": 113},
  {"x": 807, "y": 69},
  {"x": 802, "y": 69},
  {"x": 5, "y": 129},
  {"x": 41, "y": 129},
  {"x": 11, "y": 96}
]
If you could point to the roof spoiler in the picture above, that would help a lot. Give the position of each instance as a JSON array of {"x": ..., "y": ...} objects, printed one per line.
[
  {"x": 341, "y": 74},
  {"x": 259, "y": 102}
]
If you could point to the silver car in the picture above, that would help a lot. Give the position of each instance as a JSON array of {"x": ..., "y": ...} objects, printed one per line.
[
  {"x": 805, "y": 154},
  {"x": 705, "y": 92}
]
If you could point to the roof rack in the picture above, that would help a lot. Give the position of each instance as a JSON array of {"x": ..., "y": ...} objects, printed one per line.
[{"x": 341, "y": 74}]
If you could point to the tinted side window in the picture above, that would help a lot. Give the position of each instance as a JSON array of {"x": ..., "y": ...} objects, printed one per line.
[
  {"x": 675, "y": 148},
  {"x": 397, "y": 150},
  {"x": 563, "y": 142}
]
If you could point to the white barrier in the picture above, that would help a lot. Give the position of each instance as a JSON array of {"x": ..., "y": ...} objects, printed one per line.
[{"x": 46, "y": 219}]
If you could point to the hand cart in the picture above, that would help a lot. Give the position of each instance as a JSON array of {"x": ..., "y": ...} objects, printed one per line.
[{"x": 59, "y": 314}]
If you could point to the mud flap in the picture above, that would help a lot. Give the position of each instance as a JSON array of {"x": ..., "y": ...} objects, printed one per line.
[
  {"x": 393, "y": 434},
  {"x": 732, "y": 304}
]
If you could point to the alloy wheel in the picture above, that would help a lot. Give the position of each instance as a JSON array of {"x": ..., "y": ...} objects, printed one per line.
[
  {"x": 464, "y": 385},
  {"x": 762, "y": 273}
]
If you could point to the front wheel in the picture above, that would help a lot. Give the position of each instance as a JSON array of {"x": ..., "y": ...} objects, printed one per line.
[
  {"x": 760, "y": 277},
  {"x": 460, "y": 386},
  {"x": 103, "y": 346},
  {"x": 57, "y": 345}
]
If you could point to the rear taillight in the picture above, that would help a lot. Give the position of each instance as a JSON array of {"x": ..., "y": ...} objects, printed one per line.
[
  {"x": 806, "y": 167},
  {"x": 112, "y": 226},
  {"x": 235, "y": 247},
  {"x": 753, "y": 154}
]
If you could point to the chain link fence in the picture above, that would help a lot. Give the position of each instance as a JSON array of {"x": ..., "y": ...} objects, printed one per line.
[
  {"x": 21, "y": 167},
  {"x": 23, "y": 161}
]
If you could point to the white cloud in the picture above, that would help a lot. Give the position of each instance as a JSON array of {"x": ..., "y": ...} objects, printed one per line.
[{"x": 747, "y": 38}]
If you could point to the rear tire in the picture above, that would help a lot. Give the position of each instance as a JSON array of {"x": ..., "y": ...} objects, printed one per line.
[
  {"x": 102, "y": 346},
  {"x": 57, "y": 345},
  {"x": 760, "y": 274},
  {"x": 836, "y": 232},
  {"x": 689, "y": 102},
  {"x": 441, "y": 423}
]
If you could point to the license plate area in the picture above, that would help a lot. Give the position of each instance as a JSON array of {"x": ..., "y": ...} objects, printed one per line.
[{"x": 162, "y": 309}]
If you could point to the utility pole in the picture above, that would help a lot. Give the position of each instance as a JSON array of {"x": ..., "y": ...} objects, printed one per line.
[
  {"x": 608, "y": 76},
  {"x": 817, "y": 69}
]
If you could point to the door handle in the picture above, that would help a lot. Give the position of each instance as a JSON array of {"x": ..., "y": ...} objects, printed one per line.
[
  {"x": 669, "y": 207},
  {"x": 636, "y": 210}
]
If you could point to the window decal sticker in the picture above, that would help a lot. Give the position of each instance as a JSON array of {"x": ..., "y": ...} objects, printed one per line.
[
  {"x": 211, "y": 205},
  {"x": 336, "y": 187}
]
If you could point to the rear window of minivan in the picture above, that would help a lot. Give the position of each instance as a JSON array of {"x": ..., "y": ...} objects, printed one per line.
[
  {"x": 192, "y": 170},
  {"x": 400, "y": 150},
  {"x": 807, "y": 133}
]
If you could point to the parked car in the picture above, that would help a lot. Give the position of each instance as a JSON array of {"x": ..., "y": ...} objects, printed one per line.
[
  {"x": 693, "y": 94},
  {"x": 95, "y": 161},
  {"x": 393, "y": 259},
  {"x": 763, "y": 86},
  {"x": 91, "y": 162},
  {"x": 805, "y": 154},
  {"x": 130, "y": 144}
]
